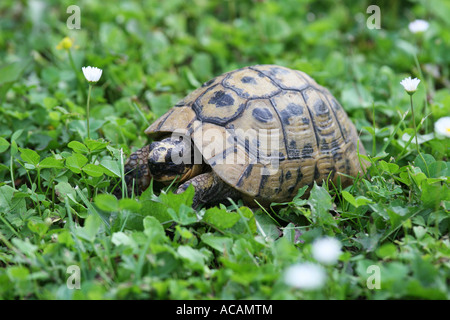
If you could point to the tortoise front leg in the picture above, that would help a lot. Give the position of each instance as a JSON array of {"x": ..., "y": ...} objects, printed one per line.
[{"x": 209, "y": 189}]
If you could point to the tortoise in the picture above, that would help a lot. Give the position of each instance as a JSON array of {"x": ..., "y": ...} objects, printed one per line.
[{"x": 257, "y": 133}]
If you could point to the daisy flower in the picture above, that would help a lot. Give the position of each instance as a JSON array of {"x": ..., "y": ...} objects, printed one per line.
[
  {"x": 418, "y": 26},
  {"x": 442, "y": 127},
  {"x": 308, "y": 276},
  {"x": 410, "y": 85},
  {"x": 326, "y": 250},
  {"x": 92, "y": 74}
]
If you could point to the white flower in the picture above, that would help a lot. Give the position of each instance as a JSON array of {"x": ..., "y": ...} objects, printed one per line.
[
  {"x": 326, "y": 250},
  {"x": 410, "y": 85},
  {"x": 92, "y": 74},
  {"x": 442, "y": 126},
  {"x": 308, "y": 276},
  {"x": 418, "y": 25}
]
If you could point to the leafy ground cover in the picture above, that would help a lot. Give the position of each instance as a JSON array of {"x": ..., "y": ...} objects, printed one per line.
[{"x": 58, "y": 208}]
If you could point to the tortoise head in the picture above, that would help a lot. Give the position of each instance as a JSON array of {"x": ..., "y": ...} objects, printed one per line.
[
  {"x": 163, "y": 160},
  {"x": 172, "y": 158}
]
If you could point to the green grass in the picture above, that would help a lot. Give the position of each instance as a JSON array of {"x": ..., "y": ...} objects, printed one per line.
[{"x": 57, "y": 188}]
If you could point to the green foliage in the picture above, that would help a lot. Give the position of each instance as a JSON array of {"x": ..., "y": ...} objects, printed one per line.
[{"x": 61, "y": 197}]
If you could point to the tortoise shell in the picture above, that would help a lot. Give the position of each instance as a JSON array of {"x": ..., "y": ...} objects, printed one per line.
[{"x": 315, "y": 141}]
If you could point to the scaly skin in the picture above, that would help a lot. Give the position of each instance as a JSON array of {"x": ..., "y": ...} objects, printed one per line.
[{"x": 209, "y": 189}]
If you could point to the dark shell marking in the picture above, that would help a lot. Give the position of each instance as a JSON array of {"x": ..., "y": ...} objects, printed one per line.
[
  {"x": 262, "y": 114},
  {"x": 221, "y": 99}
]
